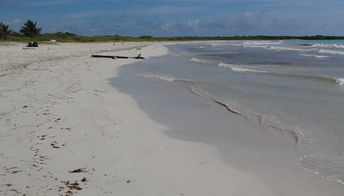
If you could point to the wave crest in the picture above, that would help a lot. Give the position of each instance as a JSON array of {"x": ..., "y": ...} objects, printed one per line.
[
  {"x": 327, "y": 51},
  {"x": 199, "y": 47},
  {"x": 198, "y": 60},
  {"x": 313, "y": 55},
  {"x": 340, "y": 81},
  {"x": 337, "y": 46},
  {"x": 270, "y": 45},
  {"x": 226, "y": 43},
  {"x": 239, "y": 68},
  {"x": 243, "y": 68}
]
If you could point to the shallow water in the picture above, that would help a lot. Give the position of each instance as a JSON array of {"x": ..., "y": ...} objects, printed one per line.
[{"x": 293, "y": 89}]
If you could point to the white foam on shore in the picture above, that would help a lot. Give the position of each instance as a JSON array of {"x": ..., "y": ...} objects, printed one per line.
[
  {"x": 323, "y": 167},
  {"x": 239, "y": 68},
  {"x": 313, "y": 55},
  {"x": 163, "y": 77}
]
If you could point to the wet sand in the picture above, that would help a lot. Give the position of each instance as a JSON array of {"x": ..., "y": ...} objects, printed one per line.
[{"x": 268, "y": 155}]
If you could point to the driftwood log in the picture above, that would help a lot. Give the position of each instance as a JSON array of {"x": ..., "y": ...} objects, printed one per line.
[{"x": 118, "y": 57}]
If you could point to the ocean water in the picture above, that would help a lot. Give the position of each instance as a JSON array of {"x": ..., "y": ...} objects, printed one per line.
[{"x": 294, "y": 89}]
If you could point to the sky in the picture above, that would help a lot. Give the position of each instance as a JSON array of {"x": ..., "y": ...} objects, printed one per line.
[{"x": 178, "y": 17}]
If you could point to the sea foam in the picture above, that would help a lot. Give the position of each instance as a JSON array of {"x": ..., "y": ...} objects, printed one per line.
[
  {"x": 313, "y": 55},
  {"x": 340, "y": 81},
  {"x": 337, "y": 46},
  {"x": 280, "y": 48},
  {"x": 199, "y": 47},
  {"x": 327, "y": 51},
  {"x": 227, "y": 43},
  {"x": 197, "y": 60},
  {"x": 164, "y": 78},
  {"x": 275, "y": 46},
  {"x": 323, "y": 167},
  {"x": 239, "y": 68}
]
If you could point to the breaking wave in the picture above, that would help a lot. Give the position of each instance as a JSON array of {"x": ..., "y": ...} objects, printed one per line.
[
  {"x": 199, "y": 47},
  {"x": 336, "y": 46},
  {"x": 239, "y": 68},
  {"x": 274, "y": 46},
  {"x": 313, "y": 55},
  {"x": 260, "y": 43},
  {"x": 227, "y": 43},
  {"x": 340, "y": 81},
  {"x": 198, "y": 60},
  {"x": 327, "y": 51},
  {"x": 243, "y": 68},
  {"x": 291, "y": 49}
]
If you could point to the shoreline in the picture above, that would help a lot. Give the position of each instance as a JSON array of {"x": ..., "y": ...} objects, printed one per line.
[
  {"x": 65, "y": 130},
  {"x": 269, "y": 155}
]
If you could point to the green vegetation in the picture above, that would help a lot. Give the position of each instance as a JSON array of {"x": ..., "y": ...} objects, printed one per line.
[
  {"x": 30, "y": 31},
  {"x": 5, "y": 31},
  {"x": 70, "y": 37}
]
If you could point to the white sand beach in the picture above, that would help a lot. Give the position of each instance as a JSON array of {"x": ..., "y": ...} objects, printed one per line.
[{"x": 64, "y": 130}]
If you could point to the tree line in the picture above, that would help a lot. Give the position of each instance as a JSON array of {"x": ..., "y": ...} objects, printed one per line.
[{"x": 29, "y": 29}]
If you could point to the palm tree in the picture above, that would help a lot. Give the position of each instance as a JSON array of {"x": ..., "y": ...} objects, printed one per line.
[
  {"x": 4, "y": 30},
  {"x": 30, "y": 29}
]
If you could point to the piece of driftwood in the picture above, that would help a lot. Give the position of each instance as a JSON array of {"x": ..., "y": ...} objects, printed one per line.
[
  {"x": 103, "y": 56},
  {"x": 122, "y": 57},
  {"x": 139, "y": 57},
  {"x": 118, "y": 57}
]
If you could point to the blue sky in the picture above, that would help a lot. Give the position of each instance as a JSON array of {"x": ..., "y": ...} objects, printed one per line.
[{"x": 179, "y": 17}]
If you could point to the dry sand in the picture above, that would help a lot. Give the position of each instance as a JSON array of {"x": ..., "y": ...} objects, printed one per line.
[{"x": 64, "y": 130}]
